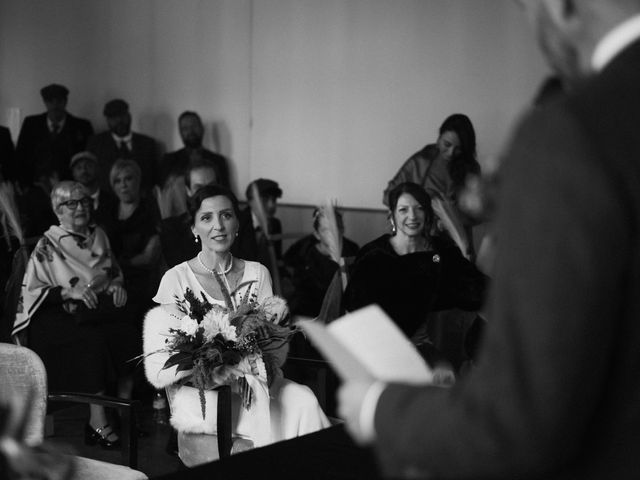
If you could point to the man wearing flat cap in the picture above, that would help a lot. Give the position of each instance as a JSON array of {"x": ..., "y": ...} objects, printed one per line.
[
  {"x": 120, "y": 142},
  {"x": 84, "y": 169},
  {"x": 47, "y": 141},
  {"x": 252, "y": 243}
]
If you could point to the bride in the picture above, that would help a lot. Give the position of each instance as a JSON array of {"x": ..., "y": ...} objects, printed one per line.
[{"x": 289, "y": 409}]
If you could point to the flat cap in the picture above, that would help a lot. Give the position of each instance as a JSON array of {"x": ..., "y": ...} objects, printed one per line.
[
  {"x": 82, "y": 156},
  {"x": 114, "y": 108},
  {"x": 54, "y": 91},
  {"x": 266, "y": 188}
]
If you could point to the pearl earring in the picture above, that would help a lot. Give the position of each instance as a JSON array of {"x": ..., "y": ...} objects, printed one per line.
[
  {"x": 393, "y": 228},
  {"x": 196, "y": 239}
]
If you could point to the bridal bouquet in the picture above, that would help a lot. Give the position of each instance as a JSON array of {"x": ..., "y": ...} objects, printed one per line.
[{"x": 220, "y": 345}]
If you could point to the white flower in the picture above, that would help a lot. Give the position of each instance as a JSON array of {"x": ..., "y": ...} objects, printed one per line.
[
  {"x": 216, "y": 322},
  {"x": 188, "y": 325},
  {"x": 276, "y": 308}
]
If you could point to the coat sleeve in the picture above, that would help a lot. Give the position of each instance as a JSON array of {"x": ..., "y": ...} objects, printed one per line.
[{"x": 563, "y": 243}]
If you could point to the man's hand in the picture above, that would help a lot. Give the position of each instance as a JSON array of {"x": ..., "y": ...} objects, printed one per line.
[{"x": 350, "y": 398}]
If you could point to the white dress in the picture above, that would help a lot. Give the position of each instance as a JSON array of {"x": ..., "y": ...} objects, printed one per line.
[{"x": 287, "y": 409}]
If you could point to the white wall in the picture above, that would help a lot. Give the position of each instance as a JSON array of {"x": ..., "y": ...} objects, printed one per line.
[{"x": 328, "y": 97}]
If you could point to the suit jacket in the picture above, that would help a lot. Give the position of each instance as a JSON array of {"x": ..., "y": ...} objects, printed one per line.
[
  {"x": 6, "y": 154},
  {"x": 176, "y": 163},
  {"x": 144, "y": 151},
  {"x": 247, "y": 245},
  {"x": 176, "y": 240},
  {"x": 39, "y": 152},
  {"x": 556, "y": 392}
]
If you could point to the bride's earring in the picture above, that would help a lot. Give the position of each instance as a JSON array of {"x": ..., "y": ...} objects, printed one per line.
[{"x": 195, "y": 238}]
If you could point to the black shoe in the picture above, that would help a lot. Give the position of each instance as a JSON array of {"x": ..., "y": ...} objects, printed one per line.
[{"x": 97, "y": 436}]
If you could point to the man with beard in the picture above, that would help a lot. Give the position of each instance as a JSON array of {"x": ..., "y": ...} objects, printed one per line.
[
  {"x": 556, "y": 392},
  {"x": 175, "y": 164},
  {"x": 120, "y": 142},
  {"x": 47, "y": 141}
]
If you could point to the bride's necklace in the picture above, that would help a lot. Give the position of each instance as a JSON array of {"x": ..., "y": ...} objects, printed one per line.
[{"x": 213, "y": 272}]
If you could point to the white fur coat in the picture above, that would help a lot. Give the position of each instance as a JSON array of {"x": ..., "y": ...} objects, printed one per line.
[
  {"x": 186, "y": 411},
  {"x": 287, "y": 411}
]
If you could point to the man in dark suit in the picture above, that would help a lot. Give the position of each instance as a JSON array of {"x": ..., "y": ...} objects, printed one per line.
[
  {"x": 556, "y": 392},
  {"x": 47, "y": 141},
  {"x": 120, "y": 142},
  {"x": 174, "y": 164}
]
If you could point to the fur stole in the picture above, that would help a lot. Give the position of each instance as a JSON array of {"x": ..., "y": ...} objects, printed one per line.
[{"x": 156, "y": 330}]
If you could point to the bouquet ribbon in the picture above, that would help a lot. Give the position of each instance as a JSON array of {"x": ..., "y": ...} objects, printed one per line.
[{"x": 253, "y": 423}]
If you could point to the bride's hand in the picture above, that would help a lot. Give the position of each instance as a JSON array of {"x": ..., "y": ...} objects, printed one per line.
[{"x": 225, "y": 374}]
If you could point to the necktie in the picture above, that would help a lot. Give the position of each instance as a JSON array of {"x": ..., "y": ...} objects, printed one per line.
[
  {"x": 55, "y": 129},
  {"x": 124, "y": 149}
]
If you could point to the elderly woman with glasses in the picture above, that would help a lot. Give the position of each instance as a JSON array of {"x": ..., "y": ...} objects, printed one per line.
[{"x": 72, "y": 309}]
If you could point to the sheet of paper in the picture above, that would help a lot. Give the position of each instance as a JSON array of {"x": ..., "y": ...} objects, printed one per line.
[{"x": 367, "y": 344}]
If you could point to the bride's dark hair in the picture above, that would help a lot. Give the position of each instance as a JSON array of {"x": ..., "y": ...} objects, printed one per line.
[{"x": 208, "y": 191}]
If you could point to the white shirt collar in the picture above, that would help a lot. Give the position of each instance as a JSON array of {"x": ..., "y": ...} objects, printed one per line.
[
  {"x": 119, "y": 140},
  {"x": 615, "y": 41},
  {"x": 61, "y": 124}
]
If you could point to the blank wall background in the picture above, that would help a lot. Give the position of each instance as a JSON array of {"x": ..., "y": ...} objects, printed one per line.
[{"x": 328, "y": 97}]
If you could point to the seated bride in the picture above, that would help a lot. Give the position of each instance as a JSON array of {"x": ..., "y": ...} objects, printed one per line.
[{"x": 225, "y": 306}]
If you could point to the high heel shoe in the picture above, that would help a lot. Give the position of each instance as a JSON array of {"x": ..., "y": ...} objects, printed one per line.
[{"x": 98, "y": 436}]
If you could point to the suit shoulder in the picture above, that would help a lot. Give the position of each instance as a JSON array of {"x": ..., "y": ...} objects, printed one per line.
[
  {"x": 214, "y": 156},
  {"x": 34, "y": 119},
  {"x": 143, "y": 139},
  {"x": 80, "y": 122}
]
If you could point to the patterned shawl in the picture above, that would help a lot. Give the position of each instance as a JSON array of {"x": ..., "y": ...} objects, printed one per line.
[{"x": 64, "y": 258}]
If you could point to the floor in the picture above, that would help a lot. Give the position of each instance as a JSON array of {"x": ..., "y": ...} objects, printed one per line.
[{"x": 153, "y": 458}]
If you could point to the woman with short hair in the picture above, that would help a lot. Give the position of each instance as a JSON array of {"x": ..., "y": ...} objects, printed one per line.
[
  {"x": 132, "y": 227},
  {"x": 72, "y": 308},
  {"x": 283, "y": 409}
]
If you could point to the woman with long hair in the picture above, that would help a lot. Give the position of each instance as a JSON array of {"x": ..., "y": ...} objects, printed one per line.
[{"x": 442, "y": 170}]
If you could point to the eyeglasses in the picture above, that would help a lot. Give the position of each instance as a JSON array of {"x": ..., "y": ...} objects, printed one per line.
[{"x": 73, "y": 204}]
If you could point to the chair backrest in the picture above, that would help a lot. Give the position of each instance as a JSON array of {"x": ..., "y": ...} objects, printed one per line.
[{"x": 23, "y": 377}]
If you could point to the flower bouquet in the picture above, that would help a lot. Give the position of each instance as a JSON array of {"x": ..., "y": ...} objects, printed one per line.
[{"x": 220, "y": 345}]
